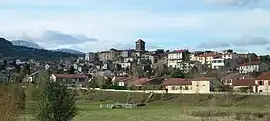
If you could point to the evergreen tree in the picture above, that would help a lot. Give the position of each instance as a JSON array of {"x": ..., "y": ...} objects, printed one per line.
[{"x": 56, "y": 103}]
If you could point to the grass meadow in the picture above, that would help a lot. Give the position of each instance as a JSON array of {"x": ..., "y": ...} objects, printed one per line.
[{"x": 170, "y": 108}]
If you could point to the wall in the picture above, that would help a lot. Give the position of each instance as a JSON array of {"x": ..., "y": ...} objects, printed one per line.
[
  {"x": 201, "y": 86},
  {"x": 265, "y": 87},
  {"x": 179, "y": 89},
  {"x": 249, "y": 68}
]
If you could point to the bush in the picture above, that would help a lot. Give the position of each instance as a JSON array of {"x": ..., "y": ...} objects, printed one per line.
[
  {"x": 10, "y": 106},
  {"x": 56, "y": 103}
]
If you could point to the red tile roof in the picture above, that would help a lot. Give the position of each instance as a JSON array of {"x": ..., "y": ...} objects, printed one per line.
[
  {"x": 176, "y": 81},
  {"x": 251, "y": 63},
  {"x": 244, "y": 82},
  {"x": 142, "y": 81},
  {"x": 210, "y": 55},
  {"x": 122, "y": 79},
  {"x": 70, "y": 76},
  {"x": 202, "y": 79},
  {"x": 264, "y": 76}
]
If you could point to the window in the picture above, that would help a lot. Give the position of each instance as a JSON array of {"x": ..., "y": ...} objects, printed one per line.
[
  {"x": 260, "y": 82},
  {"x": 186, "y": 87}
]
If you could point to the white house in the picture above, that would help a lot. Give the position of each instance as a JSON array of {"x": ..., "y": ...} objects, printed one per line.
[
  {"x": 254, "y": 66},
  {"x": 220, "y": 63},
  {"x": 263, "y": 82},
  {"x": 176, "y": 57}
]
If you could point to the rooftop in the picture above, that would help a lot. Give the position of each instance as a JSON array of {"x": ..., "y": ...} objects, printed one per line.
[
  {"x": 244, "y": 82},
  {"x": 264, "y": 76},
  {"x": 176, "y": 81},
  {"x": 251, "y": 63}
]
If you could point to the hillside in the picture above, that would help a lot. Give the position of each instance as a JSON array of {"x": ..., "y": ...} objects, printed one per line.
[
  {"x": 8, "y": 50},
  {"x": 66, "y": 50},
  {"x": 26, "y": 43}
]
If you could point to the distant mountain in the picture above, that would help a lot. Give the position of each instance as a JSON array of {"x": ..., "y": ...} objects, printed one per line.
[
  {"x": 8, "y": 50},
  {"x": 26, "y": 43},
  {"x": 67, "y": 50},
  {"x": 5, "y": 43}
]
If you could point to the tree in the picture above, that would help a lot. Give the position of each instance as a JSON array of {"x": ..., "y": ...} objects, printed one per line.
[
  {"x": 71, "y": 70},
  {"x": 178, "y": 73},
  {"x": 56, "y": 103}
]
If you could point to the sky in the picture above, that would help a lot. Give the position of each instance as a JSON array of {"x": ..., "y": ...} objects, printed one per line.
[{"x": 95, "y": 25}]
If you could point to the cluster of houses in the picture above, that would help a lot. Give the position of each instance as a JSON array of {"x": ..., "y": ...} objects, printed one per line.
[
  {"x": 117, "y": 64},
  {"x": 201, "y": 84}
]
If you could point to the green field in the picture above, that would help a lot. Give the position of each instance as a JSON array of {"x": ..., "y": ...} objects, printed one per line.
[{"x": 174, "y": 108}]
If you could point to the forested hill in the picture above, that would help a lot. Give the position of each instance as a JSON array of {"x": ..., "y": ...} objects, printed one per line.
[{"x": 7, "y": 49}]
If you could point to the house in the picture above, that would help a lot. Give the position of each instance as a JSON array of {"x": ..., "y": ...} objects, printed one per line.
[
  {"x": 176, "y": 57},
  {"x": 253, "y": 66},
  {"x": 91, "y": 57},
  {"x": 224, "y": 62},
  {"x": 205, "y": 84},
  {"x": 245, "y": 82},
  {"x": 72, "y": 80},
  {"x": 32, "y": 77},
  {"x": 121, "y": 80},
  {"x": 206, "y": 58},
  {"x": 229, "y": 77},
  {"x": 47, "y": 66},
  {"x": 263, "y": 82},
  {"x": 188, "y": 66},
  {"x": 194, "y": 85},
  {"x": 177, "y": 85}
]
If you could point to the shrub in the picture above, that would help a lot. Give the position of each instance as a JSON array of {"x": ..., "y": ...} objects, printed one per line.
[
  {"x": 56, "y": 103},
  {"x": 10, "y": 106}
]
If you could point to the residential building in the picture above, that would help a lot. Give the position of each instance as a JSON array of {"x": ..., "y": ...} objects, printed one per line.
[
  {"x": 254, "y": 66},
  {"x": 206, "y": 59},
  {"x": 125, "y": 65},
  {"x": 176, "y": 57},
  {"x": 245, "y": 82},
  {"x": 223, "y": 63},
  {"x": 249, "y": 57},
  {"x": 126, "y": 53},
  {"x": 205, "y": 84},
  {"x": 121, "y": 80},
  {"x": 113, "y": 54},
  {"x": 128, "y": 59},
  {"x": 72, "y": 80},
  {"x": 195, "y": 85},
  {"x": 91, "y": 57},
  {"x": 192, "y": 57},
  {"x": 228, "y": 78},
  {"x": 263, "y": 82},
  {"x": 140, "y": 45},
  {"x": 178, "y": 85},
  {"x": 188, "y": 66}
]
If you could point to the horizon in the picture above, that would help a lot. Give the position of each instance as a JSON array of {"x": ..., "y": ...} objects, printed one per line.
[{"x": 90, "y": 26}]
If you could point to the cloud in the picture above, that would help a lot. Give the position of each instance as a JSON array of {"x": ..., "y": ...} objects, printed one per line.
[
  {"x": 214, "y": 44},
  {"x": 49, "y": 37},
  {"x": 267, "y": 48},
  {"x": 251, "y": 41},
  {"x": 232, "y": 2}
]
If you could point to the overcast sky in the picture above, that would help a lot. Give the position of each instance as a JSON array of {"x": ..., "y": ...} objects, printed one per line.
[{"x": 93, "y": 25}]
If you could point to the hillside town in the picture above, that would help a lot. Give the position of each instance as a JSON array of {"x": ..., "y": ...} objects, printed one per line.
[{"x": 176, "y": 71}]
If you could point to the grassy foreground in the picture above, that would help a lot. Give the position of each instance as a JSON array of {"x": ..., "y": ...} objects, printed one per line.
[{"x": 174, "y": 108}]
